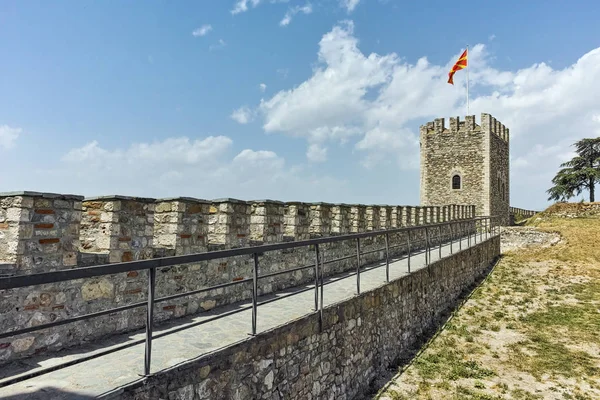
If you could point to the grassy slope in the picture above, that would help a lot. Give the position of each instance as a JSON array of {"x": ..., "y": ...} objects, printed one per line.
[{"x": 530, "y": 331}]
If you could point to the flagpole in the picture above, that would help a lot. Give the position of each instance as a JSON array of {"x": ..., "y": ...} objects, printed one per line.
[{"x": 468, "y": 79}]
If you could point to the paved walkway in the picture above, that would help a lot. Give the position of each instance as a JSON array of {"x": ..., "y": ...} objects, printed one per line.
[{"x": 103, "y": 374}]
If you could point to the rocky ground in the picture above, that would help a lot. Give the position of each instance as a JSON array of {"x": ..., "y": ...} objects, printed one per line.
[
  {"x": 518, "y": 237},
  {"x": 529, "y": 331}
]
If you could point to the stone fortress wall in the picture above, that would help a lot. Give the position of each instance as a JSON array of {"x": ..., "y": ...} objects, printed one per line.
[
  {"x": 479, "y": 154},
  {"x": 41, "y": 232},
  {"x": 521, "y": 212},
  {"x": 358, "y": 341}
]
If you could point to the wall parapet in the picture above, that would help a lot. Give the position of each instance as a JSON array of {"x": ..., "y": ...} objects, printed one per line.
[
  {"x": 515, "y": 213},
  {"x": 488, "y": 124},
  {"x": 47, "y": 232},
  {"x": 522, "y": 211}
]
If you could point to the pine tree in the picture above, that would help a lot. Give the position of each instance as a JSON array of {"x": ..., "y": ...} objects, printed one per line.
[{"x": 582, "y": 172}]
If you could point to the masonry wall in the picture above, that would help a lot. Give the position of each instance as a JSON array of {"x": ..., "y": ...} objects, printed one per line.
[
  {"x": 479, "y": 154},
  {"x": 499, "y": 171},
  {"x": 445, "y": 152},
  {"x": 45, "y": 232},
  {"x": 519, "y": 213},
  {"x": 361, "y": 337}
]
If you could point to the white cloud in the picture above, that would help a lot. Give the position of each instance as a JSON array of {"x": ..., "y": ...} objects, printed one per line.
[
  {"x": 491, "y": 37},
  {"x": 202, "y": 31},
  {"x": 382, "y": 145},
  {"x": 262, "y": 87},
  {"x": 180, "y": 151},
  {"x": 219, "y": 45},
  {"x": 205, "y": 168},
  {"x": 316, "y": 154},
  {"x": 287, "y": 18},
  {"x": 242, "y": 6},
  {"x": 261, "y": 158},
  {"x": 8, "y": 136},
  {"x": 379, "y": 100},
  {"x": 539, "y": 153},
  {"x": 349, "y": 5},
  {"x": 242, "y": 115}
]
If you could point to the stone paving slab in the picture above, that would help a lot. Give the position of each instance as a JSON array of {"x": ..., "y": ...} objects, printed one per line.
[{"x": 105, "y": 373}]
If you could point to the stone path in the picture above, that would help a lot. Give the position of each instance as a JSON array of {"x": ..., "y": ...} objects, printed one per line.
[{"x": 104, "y": 374}]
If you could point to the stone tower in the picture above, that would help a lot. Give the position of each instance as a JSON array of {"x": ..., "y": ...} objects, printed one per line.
[{"x": 466, "y": 164}]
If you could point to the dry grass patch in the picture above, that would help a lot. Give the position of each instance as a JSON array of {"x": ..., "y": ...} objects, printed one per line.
[{"x": 530, "y": 331}]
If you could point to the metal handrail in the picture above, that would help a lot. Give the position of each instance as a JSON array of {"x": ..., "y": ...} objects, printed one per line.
[
  {"x": 11, "y": 282},
  {"x": 170, "y": 297},
  {"x": 255, "y": 251}
]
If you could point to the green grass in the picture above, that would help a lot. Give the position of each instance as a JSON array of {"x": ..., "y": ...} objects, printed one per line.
[
  {"x": 551, "y": 358},
  {"x": 521, "y": 394},
  {"x": 448, "y": 363},
  {"x": 546, "y": 304},
  {"x": 466, "y": 393}
]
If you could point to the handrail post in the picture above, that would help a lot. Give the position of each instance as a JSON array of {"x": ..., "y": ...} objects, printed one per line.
[
  {"x": 427, "y": 255},
  {"x": 480, "y": 230},
  {"x": 254, "y": 292},
  {"x": 440, "y": 240},
  {"x": 387, "y": 258},
  {"x": 316, "y": 277},
  {"x": 358, "y": 265},
  {"x": 408, "y": 248},
  {"x": 484, "y": 222},
  {"x": 475, "y": 235},
  {"x": 469, "y": 227},
  {"x": 451, "y": 236},
  {"x": 459, "y": 236},
  {"x": 321, "y": 279},
  {"x": 149, "y": 319}
]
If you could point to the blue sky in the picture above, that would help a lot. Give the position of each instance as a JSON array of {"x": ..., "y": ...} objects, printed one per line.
[{"x": 208, "y": 99}]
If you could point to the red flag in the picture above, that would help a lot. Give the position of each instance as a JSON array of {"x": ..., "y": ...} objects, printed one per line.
[{"x": 460, "y": 64}]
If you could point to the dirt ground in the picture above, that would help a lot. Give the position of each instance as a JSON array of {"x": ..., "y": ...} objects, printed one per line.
[{"x": 531, "y": 330}]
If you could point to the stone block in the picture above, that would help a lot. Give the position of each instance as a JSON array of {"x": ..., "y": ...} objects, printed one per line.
[
  {"x": 181, "y": 224},
  {"x": 341, "y": 219},
  {"x": 266, "y": 221},
  {"x": 373, "y": 218},
  {"x": 320, "y": 219},
  {"x": 296, "y": 221},
  {"x": 115, "y": 224},
  {"x": 37, "y": 226},
  {"x": 229, "y": 224},
  {"x": 358, "y": 218}
]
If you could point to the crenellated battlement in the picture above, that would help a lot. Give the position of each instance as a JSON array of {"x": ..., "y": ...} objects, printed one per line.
[
  {"x": 42, "y": 232},
  {"x": 488, "y": 124}
]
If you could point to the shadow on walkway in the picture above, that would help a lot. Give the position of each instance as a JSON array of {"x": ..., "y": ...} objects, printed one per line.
[{"x": 50, "y": 393}]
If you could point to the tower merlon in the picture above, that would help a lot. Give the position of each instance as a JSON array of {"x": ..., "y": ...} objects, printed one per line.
[
  {"x": 439, "y": 125},
  {"x": 488, "y": 124}
]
